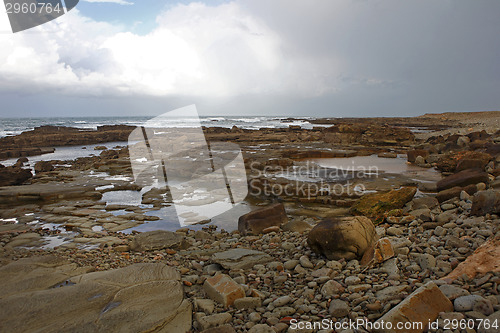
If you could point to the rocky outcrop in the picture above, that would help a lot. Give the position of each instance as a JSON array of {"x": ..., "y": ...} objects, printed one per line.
[
  {"x": 43, "y": 166},
  {"x": 463, "y": 178},
  {"x": 255, "y": 222},
  {"x": 13, "y": 175},
  {"x": 459, "y": 161},
  {"x": 140, "y": 297},
  {"x": 346, "y": 238},
  {"x": 376, "y": 204},
  {"x": 486, "y": 202}
]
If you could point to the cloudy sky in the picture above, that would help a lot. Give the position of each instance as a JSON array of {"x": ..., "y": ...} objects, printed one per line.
[{"x": 265, "y": 57}]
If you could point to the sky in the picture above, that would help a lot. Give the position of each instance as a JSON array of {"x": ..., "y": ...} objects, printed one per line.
[{"x": 328, "y": 58}]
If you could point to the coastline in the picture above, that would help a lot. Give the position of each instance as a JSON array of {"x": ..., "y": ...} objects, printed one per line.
[{"x": 431, "y": 232}]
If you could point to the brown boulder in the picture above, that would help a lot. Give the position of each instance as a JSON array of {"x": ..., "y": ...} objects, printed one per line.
[
  {"x": 374, "y": 205},
  {"x": 454, "y": 192},
  {"x": 463, "y": 178},
  {"x": 450, "y": 162},
  {"x": 347, "y": 237},
  {"x": 471, "y": 163},
  {"x": 255, "y": 222},
  {"x": 485, "y": 202},
  {"x": 13, "y": 175}
]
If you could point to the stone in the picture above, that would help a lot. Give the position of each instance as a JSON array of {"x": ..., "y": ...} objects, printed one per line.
[
  {"x": 214, "y": 320},
  {"x": 296, "y": 226},
  {"x": 339, "y": 308},
  {"x": 462, "y": 178},
  {"x": 423, "y": 203},
  {"x": 247, "y": 303},
  {"x": 227, "y": 328},
  {"x": 494, "y": 321},
  {"x": 375, "y": 205},
  {"x": 452, "y": 292},
  {"x": 331, "y": 288},
  {"x": 466, "y": 303},
  {"x": 43, "y": 166},
  {"x": 423, "y": 305},
  {"x": 281, "y": 301},
  {"x": 205, "y": 305},
  {"x": 486, "y": 258},
  {"x": 423, "y": 214},
  {"x": 290, "y": 264},
  {"x": 485, "y": 202},
  {"x": 454, "y": 192},
  {"x": 305, "y": 262},
  {"x": 13, "y": 175},
  {"x": 157, "y": 240},
  {"x": 413, "y": 154},
  {"x": 420, "y": 160},
  {"x": 390, "y": 292},
  {"x": 424, "y": 260},
  {"x": 471, "y": 163},
  {"x": 338, "y": 238},
  {"x": 261, "y": 328},
  {"x": 241, "y": 258},
  {"x": 222, "y": 289},
  {"x": 255, "y": 222},
  {"x": 148, "y": 295},
  {"x": 380, "y": 252}
]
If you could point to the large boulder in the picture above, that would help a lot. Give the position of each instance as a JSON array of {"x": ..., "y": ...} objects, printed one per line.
[
  {"x": 463, "y": 178},
  {"x": 157, "y": 240},
  {"x": 458, "y": 161},
  {"x": 13, "y": 175},
  {"x": 255, "y": 222},
  {"x": 137, "y": 298},
  {"x": 347, "y": 237},
  {"x": 485, "y": 202},
  {"x": 374, "y": 205}
]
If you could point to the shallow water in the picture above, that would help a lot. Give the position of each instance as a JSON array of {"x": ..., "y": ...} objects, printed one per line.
[{"x": 380, "y": 165}]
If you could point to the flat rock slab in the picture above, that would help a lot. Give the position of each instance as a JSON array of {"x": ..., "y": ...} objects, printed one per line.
[
  {"x": 157, "y": 240},
  {"x": 241, "y": 258},
  {"x": 137, "y": 298}
]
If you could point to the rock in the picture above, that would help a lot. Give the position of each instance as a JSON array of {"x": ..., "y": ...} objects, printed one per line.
[
  {"x": 305, "y": 262},
  {"x": 380, "y": 252},
  {"x": 296, "y": 226},
  {"x": 261, "y": 328},
  {"x": 452, "y": 292},
  {"x": 485, "y": 202},
  {"x": 450, "y": 162},
  {"x": 220, "y": 329},
  {"x": 339, "y": 308},
  {"x": 420, "y": 160},
  {"x": 463, "y": 178},
  {"x": 423, "y": 214},
  {"x": 390, "y": 292},
  {"x": 281, "y": 301},
  {"x": 471, "y": 163},
  {"x": 157, "y": 240},
  {"x": 241, "y": 258},
  {"x": 413, "y": 154},
  {"x": 374, "y": 205},
  {"x": 255, "y": 222},
  {"x": 290, "y": 264},
  {"x": 494, "y": 320},
  {"x": 387, "y": 155},
  {"x": 485, "y": 258},
  {"x": 331, "y": 288},
  {"x": 422, "y": 306},
  {"x": 147, "y": 295},
  {"x": 205, "y": 305},
  {"x": 13, "y": 175},
  {"x": 454, "y": 192},
  {"x": 43, "y": 166},
  {"x": 424, "y": 260},
  {"x": 423, "y": 203},
  {"x": 338, "y": 238},
  {"x": 214, "y": 320},
  {"x": 221, "y": 288},
  {"x": 473, "y": 302},
  {"x": 247, "y": 303}
]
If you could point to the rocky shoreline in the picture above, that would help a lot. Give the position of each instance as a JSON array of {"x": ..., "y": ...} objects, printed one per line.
[{"x": 402, "y": 243}]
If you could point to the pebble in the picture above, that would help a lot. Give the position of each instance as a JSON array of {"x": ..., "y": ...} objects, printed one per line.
[{"x": 339, "y": 308}]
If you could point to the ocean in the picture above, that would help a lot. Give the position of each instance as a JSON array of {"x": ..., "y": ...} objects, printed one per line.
[{"x": 14, "y": 126}]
